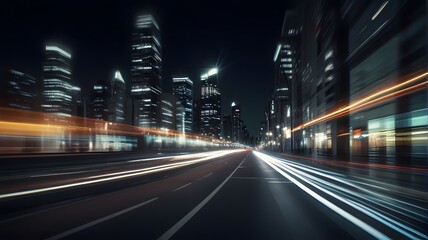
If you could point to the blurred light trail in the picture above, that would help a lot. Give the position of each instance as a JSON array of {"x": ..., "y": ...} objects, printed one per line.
[
  {"x": 360, "y": 164},
  {"x": 372, "y": 231},
  {"x": 389, "y": 211},
  {"x": 121, "y": 174},
  {"x": 372, "y": 99},
  {"x": 23, "y": 131}
]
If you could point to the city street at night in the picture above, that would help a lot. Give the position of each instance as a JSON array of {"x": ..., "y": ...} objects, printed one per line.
[
  {"x": 185, "y": 119},
  {"x": 226, "y": 194}
]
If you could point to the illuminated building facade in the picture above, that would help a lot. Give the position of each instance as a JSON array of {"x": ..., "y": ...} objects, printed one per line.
[
  {"x": 168, "y": 111},
  {"x": 18, "y": 90},
  {"x": 387, "y": 45},
  {"x": 108, "y": 99},
  {"x": 211, "y": 117},
  {"x": 286, "y": 59},
  {"x": 182, "y": 89},
  {"x": 347, "y": 54},
  {"x": 58, "y": 101},
  {"x": 146, "y": 72}
]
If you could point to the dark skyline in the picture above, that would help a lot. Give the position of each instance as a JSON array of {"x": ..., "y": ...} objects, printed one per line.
[{"x": 237, "y": 35}]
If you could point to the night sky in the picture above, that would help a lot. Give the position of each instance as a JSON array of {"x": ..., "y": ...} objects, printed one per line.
[{"x": 238, "y": 36}]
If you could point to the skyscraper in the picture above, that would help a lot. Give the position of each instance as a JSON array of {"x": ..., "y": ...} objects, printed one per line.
[
  {"x": 182, "y": 88},
  {"x": 211, "y": 122},
  {"x": 286, "y": 60},
  {"x": 167, "y": 111},
  {"x": 108, "y": 99},
  {"x": 236, "y": 122},
  {"x": 18, "y": 90},
  {"x": 146, "y": 72},
  {"x": 57, "y": 98}
]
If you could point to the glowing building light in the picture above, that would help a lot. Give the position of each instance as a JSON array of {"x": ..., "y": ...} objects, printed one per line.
[
  {"x": 212, "y": 71},
  {"x": 118, "y": 76},
  {"x": 57, "y": 49},
  {"x": 278, "y": 48}
]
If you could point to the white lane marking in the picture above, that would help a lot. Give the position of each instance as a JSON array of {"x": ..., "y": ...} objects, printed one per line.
[
  {"x": 205, "y": 176},
  {"x": 39, "y": 190},
  {"x": 185, "y": 185},
  {"x": 168, "y": 234},
  {"x": 95, "y": 222},
  {"x": 372, "y": 231},
  {"x": 121, "y": 175}
]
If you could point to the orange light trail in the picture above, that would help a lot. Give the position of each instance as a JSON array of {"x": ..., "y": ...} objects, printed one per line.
[
  {"x": 343, "y": 163},
  {"x": 371, "y": 100}
]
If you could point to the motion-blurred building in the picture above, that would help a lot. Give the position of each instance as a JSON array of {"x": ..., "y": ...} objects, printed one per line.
[
  {"x": 286, "y": 60},
  {"x": 182, "y": 89},
  {"x": 108, "y": 99},
  {"x": 211, "y": 117},
  {"x": 58, "y": 92},
  {"x": 359, "y": 86},
  {"x": 19, "y": 90},
  {"x": 387, "y": 46},
  {"x": 146, "y": 72},
  {"x": 170, "y": 112}
]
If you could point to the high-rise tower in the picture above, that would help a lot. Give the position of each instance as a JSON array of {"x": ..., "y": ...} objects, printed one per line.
[
  {"x": 57, "y": 98},
  {"x": 182, "y": 88},
  {"x": 146, "y": 72},
  {"x": 211, "y": 117},
  {"x": 108, "y": 99}
]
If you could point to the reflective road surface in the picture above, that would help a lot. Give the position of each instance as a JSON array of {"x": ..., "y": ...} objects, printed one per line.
[{"x": 227, "y": 194}]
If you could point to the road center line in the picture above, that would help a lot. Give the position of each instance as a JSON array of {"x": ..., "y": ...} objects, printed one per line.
[
  {"x": 185, "y": 185},
  {"x": 95, "y": 222},
  {"x": 168, "y": 234}
]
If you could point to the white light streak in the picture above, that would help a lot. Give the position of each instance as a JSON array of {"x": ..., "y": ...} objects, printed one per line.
[
  {"x": 375, "y": 233},
  {"x": 379, "y": 10}
]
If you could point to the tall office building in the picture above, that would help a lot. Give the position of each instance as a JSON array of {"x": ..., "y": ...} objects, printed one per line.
[
  {"x": 146, "y": 72},
  {"x": 286, "y": 60},
  {"x": 236, "y": 122},
  {"x": 57, "y": 98},
  {"x": 18, "y": 90},
  {"x": 182, "y": 89},
  {"x": 167, "y": 111},
  {"x": 108, "y": 99},
  {"x": 211, "y": 122}
]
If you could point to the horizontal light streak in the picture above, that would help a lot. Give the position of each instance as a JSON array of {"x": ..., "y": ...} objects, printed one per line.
[
  {"x": 372, "y": 231},
  {"x": 370, "y": 100},
  {"x": 116, "y": 176},
  {"x": 366, "y": 198},
  {"x": 359, "y": 164},
  {"x": 361, "y": 202}
]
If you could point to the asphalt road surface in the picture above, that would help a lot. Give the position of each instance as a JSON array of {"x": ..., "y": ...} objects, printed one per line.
[{"x": 227, "y": 194}]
